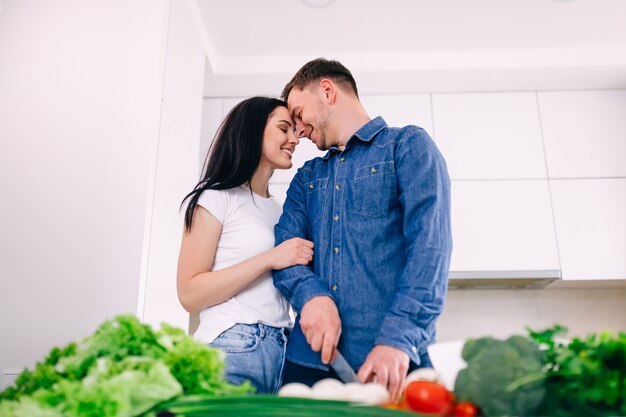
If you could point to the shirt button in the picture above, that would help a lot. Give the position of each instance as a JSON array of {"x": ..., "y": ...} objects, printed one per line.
[
  {"x": 334, "y": 287},
  {"x": 311, "y": 186},
  {"x": 336, "y": 217},
  {"x": 373, "y": 170},
  {"x": 342, "y": 160},
  {"x": 413, "y": 349},
  {"x": 336, "y": 250},
  {"x": 337, "y": 186}
]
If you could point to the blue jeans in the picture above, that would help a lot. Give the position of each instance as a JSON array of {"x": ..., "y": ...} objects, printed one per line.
[{"x": 254, "y": 352}]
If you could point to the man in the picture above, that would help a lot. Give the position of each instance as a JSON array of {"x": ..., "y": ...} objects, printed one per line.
[{"x": 377, "y": 207}]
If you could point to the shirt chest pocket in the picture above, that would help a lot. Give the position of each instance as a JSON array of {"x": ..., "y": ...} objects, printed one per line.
[
  {"x": 315, "y": 191},
  {"x": 374, "y": 189}
]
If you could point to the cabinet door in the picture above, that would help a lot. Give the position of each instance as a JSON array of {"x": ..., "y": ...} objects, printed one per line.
[
  {"x": 584, "y": 133},
  {"x": 401, "y": 110},
  {"x": 502, "y": 226},
  {"x": 590, "y": 218},
  {"x": 489, "y": 136}
]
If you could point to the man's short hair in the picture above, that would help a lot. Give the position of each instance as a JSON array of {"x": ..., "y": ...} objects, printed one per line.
[{"x": 318, "y": 69}]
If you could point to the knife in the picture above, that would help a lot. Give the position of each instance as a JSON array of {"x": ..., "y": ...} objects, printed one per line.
[{"x": 344, "y": 370}]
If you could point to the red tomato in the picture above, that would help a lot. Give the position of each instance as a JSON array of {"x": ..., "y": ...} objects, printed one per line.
[
  {"x": 465, "y": 410},
  {"x": 428, "y": 397}
]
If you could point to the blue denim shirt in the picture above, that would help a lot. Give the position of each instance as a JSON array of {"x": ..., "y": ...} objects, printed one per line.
[{"x": 379, "y": 215}]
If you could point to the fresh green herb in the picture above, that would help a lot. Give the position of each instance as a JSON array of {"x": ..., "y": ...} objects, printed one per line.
[
  {"x": 586, "y": 376},
  {"x": 493, "y": 374}
]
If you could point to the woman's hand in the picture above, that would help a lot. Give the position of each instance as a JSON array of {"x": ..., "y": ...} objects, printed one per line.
[{"x": 291, "y": 252}]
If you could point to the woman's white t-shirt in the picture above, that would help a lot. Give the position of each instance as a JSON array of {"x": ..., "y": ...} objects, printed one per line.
[{"x": 248, "y": 222}]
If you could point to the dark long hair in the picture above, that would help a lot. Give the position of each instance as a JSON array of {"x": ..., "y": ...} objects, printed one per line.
[{"x": 236, "y": 150}]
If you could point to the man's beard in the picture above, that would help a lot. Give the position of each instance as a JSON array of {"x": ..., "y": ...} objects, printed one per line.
[{"x": 322, "y": 141}]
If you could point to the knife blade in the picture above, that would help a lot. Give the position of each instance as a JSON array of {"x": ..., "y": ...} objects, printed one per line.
[{"x": 344, "y": 370}]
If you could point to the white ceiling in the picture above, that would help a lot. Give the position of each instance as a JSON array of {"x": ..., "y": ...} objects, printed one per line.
[{"x": 398, "y": 46}]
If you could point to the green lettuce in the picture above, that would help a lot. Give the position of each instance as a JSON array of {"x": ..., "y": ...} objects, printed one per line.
[{"x": 123, "y": 369}]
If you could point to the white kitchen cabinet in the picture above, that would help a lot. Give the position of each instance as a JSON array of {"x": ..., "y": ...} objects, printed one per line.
[
  {"x": 584, "y": 133},
  {"x": 590, "y": 217},
  {"x": 502, "y": 226},
  {"x": 401, "y": 110},
  {"x": 489, "y": 136}
]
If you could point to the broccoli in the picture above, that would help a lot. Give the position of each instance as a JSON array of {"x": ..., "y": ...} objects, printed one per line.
[{"x": 503, "y": 378}]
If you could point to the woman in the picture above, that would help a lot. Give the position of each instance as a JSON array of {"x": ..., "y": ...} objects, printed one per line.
[{"x": 227, "y": 252}]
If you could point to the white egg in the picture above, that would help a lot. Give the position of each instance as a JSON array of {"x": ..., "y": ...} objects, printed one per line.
[
  {"x": 370, "y": 394},
  {"x": 422, "y": 374},
  {"x": 329, "y": 389},
  {"x": 295, "y": 389}
]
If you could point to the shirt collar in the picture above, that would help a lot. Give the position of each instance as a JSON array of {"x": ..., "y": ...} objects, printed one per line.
[{"x": 366, "y": 133}]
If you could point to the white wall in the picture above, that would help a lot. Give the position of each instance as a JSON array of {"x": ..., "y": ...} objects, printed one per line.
[
  {"x": 176, "y": 169},
  {"x": 501, "y": 313},
  {"x": 80, "y": 85}
]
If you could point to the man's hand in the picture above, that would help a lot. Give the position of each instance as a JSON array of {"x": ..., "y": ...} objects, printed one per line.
[
  {"x": 387, "y": 366},
  {"x": 320, "y": 323}
]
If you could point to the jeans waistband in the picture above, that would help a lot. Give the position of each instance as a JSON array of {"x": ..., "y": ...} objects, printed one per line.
[{"x": 261, "y": 330}]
